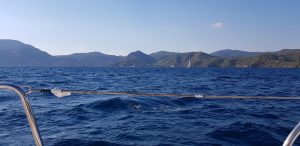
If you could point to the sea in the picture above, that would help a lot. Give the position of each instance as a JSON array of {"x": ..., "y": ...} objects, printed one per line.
[{"x": 96, "y": 120}]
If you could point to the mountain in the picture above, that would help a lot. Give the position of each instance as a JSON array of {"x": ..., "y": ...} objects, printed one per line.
[
  {"x": 16, "y": 53},
  {"x": 287, "y": 58},
  {"x": 228, "y": 53},
  {"x": 136, "y": 58},
  {"x": 92, "y": 59},
  {"x": 161, "y": 54},
  {"x": 198, "y": 59}
]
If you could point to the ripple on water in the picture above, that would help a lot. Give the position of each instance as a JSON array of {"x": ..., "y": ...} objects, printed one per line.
[
  {"x": 246, "y": 133},
  {"x": 123, "y": 120}
]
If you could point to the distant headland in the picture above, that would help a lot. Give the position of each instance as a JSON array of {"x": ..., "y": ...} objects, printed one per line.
[{"x": 16, "y": 53}]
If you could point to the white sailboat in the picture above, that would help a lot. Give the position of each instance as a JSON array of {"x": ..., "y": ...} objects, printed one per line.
[{"x": 189, "y": 65}]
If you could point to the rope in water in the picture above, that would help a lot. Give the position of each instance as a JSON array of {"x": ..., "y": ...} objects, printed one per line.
[{"x": 61, "y": 93}]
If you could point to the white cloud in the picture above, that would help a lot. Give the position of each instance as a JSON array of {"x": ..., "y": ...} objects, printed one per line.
[{"x": 217, "y": 25}]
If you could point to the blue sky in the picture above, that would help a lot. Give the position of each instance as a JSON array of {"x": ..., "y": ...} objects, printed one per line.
[{"x": 122, "y": 26}]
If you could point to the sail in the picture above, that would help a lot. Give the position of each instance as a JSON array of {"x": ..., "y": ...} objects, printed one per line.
[{"x": 189, "y": 65}]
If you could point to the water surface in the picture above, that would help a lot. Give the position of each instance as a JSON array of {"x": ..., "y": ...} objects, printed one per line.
[{"x": 125, "y": 120}]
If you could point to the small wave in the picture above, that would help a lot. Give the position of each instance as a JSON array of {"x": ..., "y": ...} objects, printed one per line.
[
  {"x": 114, "y": 104},
  {"x": 6, "y": 98},
  {"x": 77, "y": 142},
  {"x": 240, "y": 133},
  {"x": 265, "y": 115}
]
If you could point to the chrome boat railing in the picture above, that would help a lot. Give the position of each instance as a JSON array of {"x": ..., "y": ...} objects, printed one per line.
[
  {"x": 28, "y": 111},
  {"x": 289, "y": 141}
]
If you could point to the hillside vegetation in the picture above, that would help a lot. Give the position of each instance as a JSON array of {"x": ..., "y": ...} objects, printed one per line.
[{"x": 16, "y": 53}]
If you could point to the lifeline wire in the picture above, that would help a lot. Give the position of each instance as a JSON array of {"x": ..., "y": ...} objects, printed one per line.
[{"x": 61, "y": 93}]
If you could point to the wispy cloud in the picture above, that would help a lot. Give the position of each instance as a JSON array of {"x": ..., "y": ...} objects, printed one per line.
[{"x": 217, "y": 25}]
